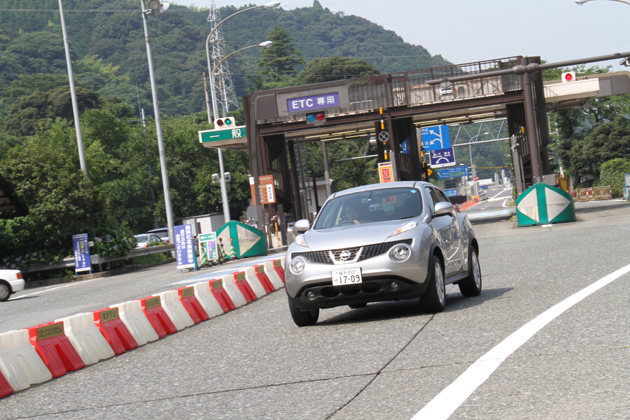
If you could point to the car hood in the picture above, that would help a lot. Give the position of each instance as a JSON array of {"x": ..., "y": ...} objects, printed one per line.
[{"x": 353, "y": 235}]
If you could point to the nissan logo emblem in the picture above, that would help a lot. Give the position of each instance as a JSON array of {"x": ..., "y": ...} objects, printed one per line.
[{"x": 344, "y": 255}]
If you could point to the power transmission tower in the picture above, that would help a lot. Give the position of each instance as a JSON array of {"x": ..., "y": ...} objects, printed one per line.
[{"x": 223, "y": 80}]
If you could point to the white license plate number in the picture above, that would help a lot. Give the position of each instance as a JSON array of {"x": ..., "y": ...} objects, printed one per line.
[{"x": 345, "y": 277}]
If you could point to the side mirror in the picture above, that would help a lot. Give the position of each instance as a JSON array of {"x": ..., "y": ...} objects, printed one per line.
[
  {"x": 443, "y": 208},
  {"x": 302, "y": 225}
]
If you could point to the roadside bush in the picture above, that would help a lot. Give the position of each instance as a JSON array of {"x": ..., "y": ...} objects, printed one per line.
[
  {"x": 113, "y": 243},
  {"x": 611, "y": 173}
]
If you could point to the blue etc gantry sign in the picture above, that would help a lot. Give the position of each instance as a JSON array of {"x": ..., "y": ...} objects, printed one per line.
[
  {"x": 309, "y": 103},
  {"x": 454, "y": 172},
  {"x": 442, "y": 158},
  {"x": 435, "y": 137}
]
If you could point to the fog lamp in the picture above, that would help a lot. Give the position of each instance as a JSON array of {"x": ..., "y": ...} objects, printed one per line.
[
  {"x": 394, "y": 285},
  {"x": 310, "y": 295}
]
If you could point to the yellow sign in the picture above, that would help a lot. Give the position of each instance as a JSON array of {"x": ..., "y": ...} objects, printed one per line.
[
  {"x": 240, "y": 276},
  {"x": 429, "y": 172},
  {"x": 217, "y": 284},
  {"x": 385, "y": 172},
  {"x": 277, "y": 263},
  {"x": 188, "y": 292},
  {"x": 50, "y": 331},
  {"x": 260, "y": 269},
  {"x": 152, "y": 303},
  {"x": 109, "y": 315}
]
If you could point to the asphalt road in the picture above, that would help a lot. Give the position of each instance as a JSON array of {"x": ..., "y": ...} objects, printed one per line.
[{"x": 386, "y": 361}]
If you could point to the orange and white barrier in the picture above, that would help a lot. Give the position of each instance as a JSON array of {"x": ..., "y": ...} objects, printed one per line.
[
  {"x": 114, "y": 330},
  {"x": 175, "y": 310},
  {"x": 86, "y": 338},
  {"x": 161, "y": 323},
  {"x": 207, "y": 299},
  {"x": 243, "y": 285},
  {"x": 255, "y": 283},
  {"x": 273, "y": 275},
  {"x": 222, "y": 296},
  {"x": 259, "y": 272},
  {"x": 136, "y": 322},
  {"x": 187, "y": 297},
  {"x": 19, "y": 362},
  {"x": 229, "y": 285},
  {"x": 277, "y": 265},
  {"x": 5, "y": 387},
  {"x": 55, "y": 349}
]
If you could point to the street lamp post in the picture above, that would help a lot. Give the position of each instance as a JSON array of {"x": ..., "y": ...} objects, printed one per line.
[
  {"x": 224, "y": 197},
  {"x": 157, "y": 7},
  {"x": 73, "y": 94}
]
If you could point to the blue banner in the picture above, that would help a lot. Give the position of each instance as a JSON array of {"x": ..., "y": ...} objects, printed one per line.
[
  {"x": 453, "y": 172},
  {"x": 81, "y": 253},
  {"x": 184, "y": 247},
  {"x": 442, "y": 157},
  {"x": 450, "y": 193}
]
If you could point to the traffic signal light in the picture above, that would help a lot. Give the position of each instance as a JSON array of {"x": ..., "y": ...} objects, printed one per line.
[
  {"x": 568, "y": 77},
  {"x": 224, "y": 122},
  {"x": 316, "y": 118}
]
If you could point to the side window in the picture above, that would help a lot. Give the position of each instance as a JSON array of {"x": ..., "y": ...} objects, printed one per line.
[
  {"x": 433, "y": 201},
  {"x": 442, "y": 196}
]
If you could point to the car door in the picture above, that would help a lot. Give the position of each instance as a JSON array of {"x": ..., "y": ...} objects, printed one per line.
[
  {"x": 456, "y": 251},
  {"x": 441, "y": 225}
]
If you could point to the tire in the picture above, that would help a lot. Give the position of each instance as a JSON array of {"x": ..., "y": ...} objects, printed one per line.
[
  {"x": 304, "y": 318},
  {"x": 357, "y": 305},
  {"x": 5, "y": 291},
  {"x": 434, "y": 299},
  {"x": 471, "y": 285}
]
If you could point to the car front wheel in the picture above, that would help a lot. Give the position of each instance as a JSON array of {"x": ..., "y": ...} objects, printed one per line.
[
  {"x": 303, "y": 318},
  {"x": 471, "y": 285},
  {"x": 434, "y": 299}
]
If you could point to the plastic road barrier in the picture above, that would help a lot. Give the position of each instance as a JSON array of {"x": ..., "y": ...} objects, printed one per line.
[
  {"x": 259, "y": 272},
  {"x": 207, "y": 299},
  {"x": 5, "y": 387},
  {"x": 19, "y": 362},
  {"x": 273, "y": 275},
  {"x": 255, "y": 283},
  {"x": 55, "y": 349},
  {"x": 86, "y": 338},
  {"x": 277, "y": 265},
  {"x": 191, "y": 304},
  {"x": 221, "y": 295},
  {"x": 114, "y": 330},
  {"x": 246, "y": 287},
  {"x": 136, "y": 322},
  {"x": 175, "y": 310},
  {"x": 161, "y": 323},
  {"x": 230, "y": 286}
]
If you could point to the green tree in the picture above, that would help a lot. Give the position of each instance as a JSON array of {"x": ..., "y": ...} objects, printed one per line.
[
  {"x": 334, "y": 68},
  {"x": 612, "y": 172},
  {"x": 281, "y": 58}
]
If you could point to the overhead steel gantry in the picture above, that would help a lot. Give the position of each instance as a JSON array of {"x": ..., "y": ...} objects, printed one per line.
[{"x": 509, "y": 88}]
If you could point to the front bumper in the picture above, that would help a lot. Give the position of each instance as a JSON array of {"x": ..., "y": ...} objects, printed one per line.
[{"x": 313, "y": 287}]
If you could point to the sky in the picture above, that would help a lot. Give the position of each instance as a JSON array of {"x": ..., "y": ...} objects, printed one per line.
[{"x": 465, "y": 31}]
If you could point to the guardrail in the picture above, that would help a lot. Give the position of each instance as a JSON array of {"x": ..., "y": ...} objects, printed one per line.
[{"x": 98, "y": 260}]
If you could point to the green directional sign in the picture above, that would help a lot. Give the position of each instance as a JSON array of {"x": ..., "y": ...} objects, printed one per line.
[{"x": 208, "y": 136}]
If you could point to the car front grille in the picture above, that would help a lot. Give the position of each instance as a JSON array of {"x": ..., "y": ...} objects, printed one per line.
[{"x": 368, "y": 251}]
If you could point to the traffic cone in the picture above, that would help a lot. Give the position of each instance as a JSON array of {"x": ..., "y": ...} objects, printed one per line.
[
  {"x": 203, "y": 258},
  {"x": 232, "y": 250},
  {"x": 222, "y": 248}
]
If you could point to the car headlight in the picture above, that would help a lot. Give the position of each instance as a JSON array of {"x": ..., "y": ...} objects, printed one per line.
[
  {"x": 400, "y": 253},
  {"x": 297, "y": 265},
  {"x": 301, "y": 241},
  {"x": 404, "y": 228}
]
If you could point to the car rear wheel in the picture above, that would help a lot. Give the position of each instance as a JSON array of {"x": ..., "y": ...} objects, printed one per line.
[
  {"x": 357, "y": 305},
  {"x": 434, "y": 299},
  {"x": 471, "y": 285},
  {"x": 5, "y": 292},
  {"x": 304, "y": 318}
]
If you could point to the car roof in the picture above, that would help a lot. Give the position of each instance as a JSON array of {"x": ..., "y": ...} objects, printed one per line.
[
  {"x": 371, "y": 187},
  {"x": 158, "y": 230}
]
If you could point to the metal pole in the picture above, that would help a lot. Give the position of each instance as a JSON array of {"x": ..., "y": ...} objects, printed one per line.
[
  {"x": 326, "y": 169},
  {"x": 158, "y": 128},
  {"x": 224, "y": 197},
  {"x": 73, "y": 94},
  {"x": 473, "y": 190},
  {"x": 530, "y": 122}
]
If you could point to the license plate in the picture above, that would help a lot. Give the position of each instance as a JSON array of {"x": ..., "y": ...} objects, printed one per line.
[{"x": 345, "y": 277}]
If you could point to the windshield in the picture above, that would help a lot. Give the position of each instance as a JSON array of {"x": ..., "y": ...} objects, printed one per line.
[
  {"x": 142, "y": 238},
  {"x": 370, "y": 207}
]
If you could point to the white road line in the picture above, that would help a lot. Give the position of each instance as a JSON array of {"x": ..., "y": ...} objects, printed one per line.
[
  {"x": 55, "y": 288},
  {"x": 446, "y": 402}
]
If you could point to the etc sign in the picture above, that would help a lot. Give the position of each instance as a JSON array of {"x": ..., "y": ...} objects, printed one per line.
[{"x": 308, "y": 103}]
